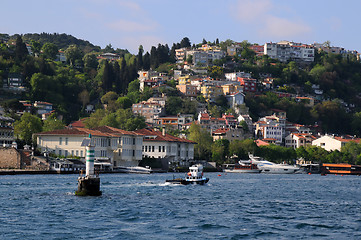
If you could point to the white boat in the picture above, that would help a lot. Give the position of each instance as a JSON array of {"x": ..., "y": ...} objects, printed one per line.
[
  {"x": 242, "y": 167},
  {"x": 136, "y": 169},
  {"x": 270, "y": 167},
  {"x": 194, "y": 176}
]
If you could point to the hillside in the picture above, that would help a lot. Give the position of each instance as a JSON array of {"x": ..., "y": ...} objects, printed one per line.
[{"x": 61, "y": 40}]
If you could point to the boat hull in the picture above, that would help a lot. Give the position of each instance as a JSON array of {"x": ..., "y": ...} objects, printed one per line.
[
  {"x": 242, "y": 170},
  {"x": 182, "y": 181}
]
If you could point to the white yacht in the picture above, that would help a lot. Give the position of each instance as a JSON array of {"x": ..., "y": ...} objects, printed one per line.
[{"x": 270, "y": 167}]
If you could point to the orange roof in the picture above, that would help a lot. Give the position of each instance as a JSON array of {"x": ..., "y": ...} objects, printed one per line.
[
  {"x": 221, "y": 130},
  {"x": 104, "y": 131},
  {"x": 158, "y": 136},
  {"x": 357, "y": 140},
  {"x": 261, "y": 143}
]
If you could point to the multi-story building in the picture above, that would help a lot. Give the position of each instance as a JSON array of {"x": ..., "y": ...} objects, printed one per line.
[
  {"x": 271, "y": 127},
  {"x": 231, "y": 88},
  {"x": 188, "y": 90},
  {"x": 210, "y": 92},
  {"x": 228, "y": 133},
  {"x": 235, "y": 99},
  {"x": 6, "y": 131},
  {"x": 149, "y": 110},
  {"x": 120, "y": 147},
  {"x": 331, "y": 143},
  {"x": 285, "y": 50},
  {"x": 249, "y": 84},
  {"x": 210, "y": 123},
  {"x": 43, "y": 107},
  {"x": 158, "y": 144},
  {"x": 234, "y": 75},
  {"x": 184, "y": 80},
  {"x": 296, "y": 140}
]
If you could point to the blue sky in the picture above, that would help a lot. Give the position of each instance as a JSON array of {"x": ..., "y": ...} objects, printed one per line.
[{"x": 128, "y": 24}]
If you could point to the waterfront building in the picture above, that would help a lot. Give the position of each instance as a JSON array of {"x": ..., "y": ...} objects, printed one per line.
[
  {"x": 120, "y": 147},
  {"x": 158, "y": 144}
]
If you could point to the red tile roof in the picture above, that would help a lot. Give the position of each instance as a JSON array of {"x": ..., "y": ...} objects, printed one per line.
[
  {"x": 104, "y": 131},
  {"x": 158, "y": 136}
]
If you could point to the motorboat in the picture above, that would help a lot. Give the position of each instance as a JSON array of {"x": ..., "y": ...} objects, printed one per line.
[
  {"x": 270, "y": 167},
  {"x": 194, "y": 176},
  {"x": 243, "y": 166}
]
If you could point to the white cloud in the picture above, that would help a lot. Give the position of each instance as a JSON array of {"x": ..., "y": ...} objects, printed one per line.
[
  {"x": 131, "y": 26},
  {"x": 283, "y": 28},
  {"x": 248, "y": 10},
  {"x": 261, "y": 17}
]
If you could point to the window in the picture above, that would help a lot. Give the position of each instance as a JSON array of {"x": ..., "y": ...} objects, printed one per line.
[
  {"x": 160, "y": 149},
  {"x": 152, "y": 148},
  {"x": 59, "y": 152},
  {"x": 66, "y": 141},
  {"x": 133, "y": 153},
  {"x": 81, "y": 153},
  {"x": 133, "y": 141},
  {"x": 146, "y": 148},
  {"x": 60, "y": 142},
  {"x": 163, "y": 148},
  {"x": 66, "y": 153},
  {"x": 77, "y": 152}
]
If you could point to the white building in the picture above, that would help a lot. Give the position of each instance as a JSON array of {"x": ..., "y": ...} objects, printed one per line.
[
  {"x": 122, "y": 148},
  {"x": 286, "y": 50},
  {"x": 296, "y": 140},
  {"x": 331, "y": 143},
  {"x": 157, "y": 144},
  {"x": 271, "y": 127},
  {"x": 233, "y": 76}
]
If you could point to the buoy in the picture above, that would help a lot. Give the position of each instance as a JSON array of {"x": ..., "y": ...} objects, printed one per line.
[
  {"x": 219, "y": 175},
  {"x": 309, "y": 173}
]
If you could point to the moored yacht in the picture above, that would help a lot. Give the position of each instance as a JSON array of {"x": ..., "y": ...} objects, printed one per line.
[
  {"x": 243, "y": 166},
  {"x": 194, "y": 176},
  {"x": 270, "y": 167}
]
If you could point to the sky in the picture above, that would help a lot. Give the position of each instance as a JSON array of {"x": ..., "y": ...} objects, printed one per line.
[{"x": 128, "y": 24}]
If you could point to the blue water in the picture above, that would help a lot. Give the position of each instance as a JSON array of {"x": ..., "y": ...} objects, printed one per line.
[{"x": 232, "y": 206}]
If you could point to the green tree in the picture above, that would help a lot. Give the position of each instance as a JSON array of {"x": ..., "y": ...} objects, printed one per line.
[
  {"x": 90, "y": 61},
  {"x": 20, "y": 49},
  {"x": 173, "y": 105},
  {"x": 52, "y": 123},
  {"x": 73, "y": 53},
  {"x": 50, "y": 50},
  {"x": 124, "y": 102},
  {"x": 26, "y": 127},
  {"x": 203, "y": 139}
]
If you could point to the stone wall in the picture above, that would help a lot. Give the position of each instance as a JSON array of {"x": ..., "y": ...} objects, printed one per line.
[{"x": 10, "y": 158}]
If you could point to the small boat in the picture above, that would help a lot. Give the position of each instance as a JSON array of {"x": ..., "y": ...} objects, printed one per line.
[
  {"x": 270, "y": 167},
  {"x": 243, "y": 166},
  {"x": 194, "y": 176}
]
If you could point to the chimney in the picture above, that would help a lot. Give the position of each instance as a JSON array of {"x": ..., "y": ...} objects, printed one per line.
[{"x": 163, "y": 131}]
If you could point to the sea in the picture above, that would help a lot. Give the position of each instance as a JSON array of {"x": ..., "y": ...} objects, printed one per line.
[{"x": 137, "y": 206}]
